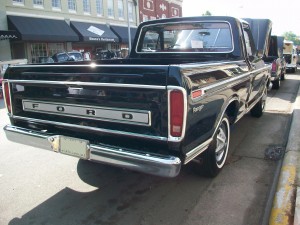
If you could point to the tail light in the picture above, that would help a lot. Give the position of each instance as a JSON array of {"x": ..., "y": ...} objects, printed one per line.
[
  {"x": 274, "y": 67},
  {"x": 7, "y": 96},
  {"x": 176, "y": 113}
]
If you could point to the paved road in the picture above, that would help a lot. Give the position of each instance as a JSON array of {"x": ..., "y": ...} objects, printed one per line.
[{"x": 41, "y": 187}]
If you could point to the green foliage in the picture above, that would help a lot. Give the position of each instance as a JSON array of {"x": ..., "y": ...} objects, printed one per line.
[
  {"x": 291, "y": 37},
  {"x": 207, "y": 13}
]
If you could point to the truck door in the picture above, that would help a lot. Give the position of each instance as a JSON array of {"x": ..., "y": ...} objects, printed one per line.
[{"x": 257, "y": 68}]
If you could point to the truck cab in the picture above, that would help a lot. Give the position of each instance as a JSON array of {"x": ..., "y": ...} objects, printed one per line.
[{"x": 290, "y": 55}]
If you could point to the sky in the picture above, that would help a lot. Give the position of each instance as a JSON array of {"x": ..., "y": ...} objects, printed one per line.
[{"x": 285, "y": 15}]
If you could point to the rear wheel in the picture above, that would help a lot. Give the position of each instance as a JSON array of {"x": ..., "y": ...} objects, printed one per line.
[
  {"x": 215, "y": 156},
  {"x": 259, "y": 108}
]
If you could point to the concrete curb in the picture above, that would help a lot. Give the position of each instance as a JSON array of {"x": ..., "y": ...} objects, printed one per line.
[{"x": 286, "y": 203}]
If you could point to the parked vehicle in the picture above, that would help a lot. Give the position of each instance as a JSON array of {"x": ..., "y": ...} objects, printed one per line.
[
  {"x": 277, "y": 61},
  {"x": 105, "y": 54},
  {"x": 76, "y": 55},
  {"x": 152, "y": 112},
  {"x": 46, "y": 60},
  {"x": 290, "y": 55},
  {"x": 62, "y": 57}
]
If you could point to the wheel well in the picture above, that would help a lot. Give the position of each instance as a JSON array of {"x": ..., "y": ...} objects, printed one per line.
[{"x": 232, "y": 111}]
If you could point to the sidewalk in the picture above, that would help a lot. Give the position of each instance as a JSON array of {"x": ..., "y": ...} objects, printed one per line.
[{"x": 286, "y": 203}]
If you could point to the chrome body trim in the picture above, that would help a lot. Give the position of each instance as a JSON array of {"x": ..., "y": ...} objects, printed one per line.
[
  {"x": 203, "y": 146},
  {"x": 137, "y": 117},
  {"x": 225, "y": 84},
  {"x": 159, "y": 165},
  {"x": 197, "y": 65},
  {"x": 196, "y": 151},
  {"x": 91, "y": 65},
  {"x": 250, "y": 107},
  {"x": 108, "y": 131},
  {"x": 96, "y": 84},
  {"x": 171, "y": 138}
]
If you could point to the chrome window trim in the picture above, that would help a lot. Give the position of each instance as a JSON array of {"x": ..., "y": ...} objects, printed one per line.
[
  {"x": 108, "y": 131},
  {"x": 170, "y": 137},
  {"x": 192, "y": 21}
]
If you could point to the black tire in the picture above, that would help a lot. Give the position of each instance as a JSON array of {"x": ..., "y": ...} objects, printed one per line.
[
  {"x": 259, "y": 108},
  {"x": 282, "y": 76},
  {"x": 215, "y": 156},
  {"x": 276, "y": 83}
]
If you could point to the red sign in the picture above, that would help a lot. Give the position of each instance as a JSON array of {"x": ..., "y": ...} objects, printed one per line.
[
  {"x": 162, "y": 9},
  {"x": 175, "y": 10},
  {"x": 147, "y": 10},
  {"x": 157, "y": 9}
]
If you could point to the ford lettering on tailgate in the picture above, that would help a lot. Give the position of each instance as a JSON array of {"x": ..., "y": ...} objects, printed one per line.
[{"x": 139, "y": 117}]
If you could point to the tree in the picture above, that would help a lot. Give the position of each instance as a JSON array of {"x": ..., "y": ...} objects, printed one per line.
[
  {"x": 291, "y": 37},
  {"x": 207, "y": 13}
]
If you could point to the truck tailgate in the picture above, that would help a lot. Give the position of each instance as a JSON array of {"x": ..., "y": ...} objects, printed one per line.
[{"x": 122, "y": 100}]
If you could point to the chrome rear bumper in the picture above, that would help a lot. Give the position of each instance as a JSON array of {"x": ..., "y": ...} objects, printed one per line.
[{"x": 160, "y": 165}]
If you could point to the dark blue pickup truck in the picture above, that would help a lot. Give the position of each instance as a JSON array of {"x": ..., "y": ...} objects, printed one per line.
[{"x": 172, "y": 101}]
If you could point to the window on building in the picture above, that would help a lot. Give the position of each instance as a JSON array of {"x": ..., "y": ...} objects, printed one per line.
[
  {"x": 99, "y": 7},
  {"x": 56, "y": 4},
  {"x": 110, "y": 8},
  {"x": 86, "y": 6},
  {"x": 120, "y": 9},
  {"x": 38, "y": 3},
  {"x": 41, "y": 52},
  {"x": 72, "y": 5},
  {"x": 131, "y": 11},
  {"x": 19, "y": 2}
]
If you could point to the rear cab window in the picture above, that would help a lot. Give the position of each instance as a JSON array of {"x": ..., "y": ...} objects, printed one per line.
[{"x": 190, "y": 37}]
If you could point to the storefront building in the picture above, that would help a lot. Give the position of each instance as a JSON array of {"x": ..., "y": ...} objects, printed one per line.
[
  {"x": 159, "y": 9},
  {"x": 37, "y": 29}
]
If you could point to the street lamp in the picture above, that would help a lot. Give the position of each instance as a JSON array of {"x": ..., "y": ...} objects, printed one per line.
[{"x": 129, "y": 34}]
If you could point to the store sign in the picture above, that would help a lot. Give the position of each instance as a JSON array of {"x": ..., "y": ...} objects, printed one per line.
[
  {"x": 6, "y": 34},
  {"x": 96, "y": 30},
  {"x": 101, "y": 39}
]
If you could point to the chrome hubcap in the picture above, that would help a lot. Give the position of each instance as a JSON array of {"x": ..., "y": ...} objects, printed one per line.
[{"x": 221, "y": 147}]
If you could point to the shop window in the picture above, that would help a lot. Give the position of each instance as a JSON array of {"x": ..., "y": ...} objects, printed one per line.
[
  {"x": 38, "y": 50},
  {"x": 86, "y": 6},
  {"x": 121, "y": 9},
  {"x": 41, "y": 51},
  {"x": 110, "y": 8},
  {"x": 55, "y": 48},
  {"x": 99, "y": 7}
]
